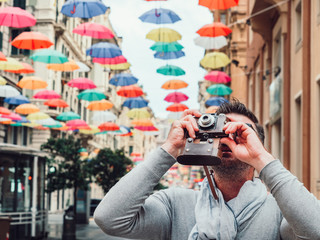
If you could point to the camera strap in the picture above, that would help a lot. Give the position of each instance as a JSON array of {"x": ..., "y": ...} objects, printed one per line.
[{"x": 210, "y": 180}]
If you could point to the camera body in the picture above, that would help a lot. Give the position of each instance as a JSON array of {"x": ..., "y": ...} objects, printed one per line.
[{"x": 204, "y": 149}]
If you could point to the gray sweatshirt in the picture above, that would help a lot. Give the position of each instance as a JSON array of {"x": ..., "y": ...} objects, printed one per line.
[{"x": 130, "y": 209}]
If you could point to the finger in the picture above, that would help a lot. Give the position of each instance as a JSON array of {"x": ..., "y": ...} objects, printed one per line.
[
  {"x": 192, "y": 112},
  {"x": 189, "y": 127},
  {"x": 193, "y": 122},
  {"x": 229, "y": 142}
]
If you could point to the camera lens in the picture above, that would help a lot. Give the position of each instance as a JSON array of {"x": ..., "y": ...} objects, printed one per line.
[{"x": 206, "y": 120}]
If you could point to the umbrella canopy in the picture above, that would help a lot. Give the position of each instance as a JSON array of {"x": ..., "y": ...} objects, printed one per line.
[
  {"x": 215, "y": 60},
  {"x": 100, "y": 105},
  {"x": 163, "y": 35},
  {"x": 174, "y": 84},
  {"x": 46, "y": 94},
  {"x": 37, "y": 116},
  {"x": 215, "y": 101},
  {"x": 160, "y": 16},
  {"x": 91, "y": 95},
  {"x": 142, "y": 122},
  {"x": 176, "y": 97},
  {"x": 94, "y": 30},
  {"x": 137, "y": 159},
  {"x": 211, "y": 42},
  {"x": 17, "y": 100},
  {"x": 31, "y": 41},
  {"x": 104, "y": 50},
  {"x": 217, "y": 77},
  {"x": 76, "y": 123},
  {"x": 82, "y": 67},
  {"x": 171, "y": 70},
  {"x": 121, "y": 66},
  {"x": 219, "y": 90},
  {"x": 10, "y": 64},
  {"x": 49, "y": 122},
  {"x": 130, "y": 91},
  {"x": 137, "y": 102},
  {"x": 109, "y": 126},
  {"x": 83, "y": 8},
  {"x": 63, "y": 67},
  {"x": 93, "y": 129},
  {"x": 219, "y": 4},
  {"x": 2, "y": 57},
  {"x": 146, "y": 128},
  {"x": 56, "y": 103},
  {"x": 214, "y": 29},
  {"x": 49, "y": 56},
  {"x": 32, "y": 82},
  {"x": 166, "y": 47},
  {"x": 82, "y": 83},
  {"x": 27, "y": 68},
  {"x": 169, "y": 55},
  {"x": 4, "y": 111},
  {"x": 123, "y": 79},
  {"x": 26, "y": 108},
  {"x": 67, "y": 116},
  {"x": 8, "y": 91},
  {"x": 112, "y": 61},
  {"x": 135, "y": 154},
  {"x": 3, "y": 81},
  {"x": 138, "y": 113},
  {"x": 16, "y": 17},
  {"x": 103, "y": 116},
  {"x": 13, "y": 116},
  {"x": 177, "y": 107}
]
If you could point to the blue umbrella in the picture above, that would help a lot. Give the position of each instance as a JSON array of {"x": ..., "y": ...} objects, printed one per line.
[
  {"x": 83, "y": 8},
  {"x": 169, "y": 55},
  {"x": 17, "y": 100},
  {"x": 137, "y": 102},
  {"x": 123, "y": 79},
  {"x": 159, "y": 16},
  {"x": 215, "y": 101},
  {"x": 104, "y": 50},
  {"x": 22, "y": 120}
]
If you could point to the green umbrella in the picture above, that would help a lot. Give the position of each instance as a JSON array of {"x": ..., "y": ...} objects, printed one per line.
[
  {"x": 49, "y": 56},
  {"x": 82, "y": 150},
  {"x": 219, "y": 90},
  {"x": 67, "y": 116},
  {"x": 166, "y": 47},
  {"x": 91, "y": 95},
  {"x": 171, "y": 70}
]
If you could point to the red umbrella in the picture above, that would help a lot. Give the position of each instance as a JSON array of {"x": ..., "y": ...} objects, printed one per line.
[
  {"x": 108, "y": 126},
  {"x": 218, "y": 4},
  {"x": 56, "y": 103},
  {"x": 31, "y": 41},
  {"x": 93, "y": 30},
  {"x": 82, "y": 83},
  {"x": 112, "y": 61},
  {"x": 176, "y": 97},
  {"x": 130, "y": 91},
  {"x": 177, "y": 107},
  {"x": 27, "y": 68},
  {"x": 214, "y": 29},
  {"x": 4, "y": 111},
  {"x": 217, "y": 77},
  {"x": 2, "y": 57},
  {"x": 46, "y": 94},
  {"x": 16, "y": 17},
  {"x": 135, "y": 154}
]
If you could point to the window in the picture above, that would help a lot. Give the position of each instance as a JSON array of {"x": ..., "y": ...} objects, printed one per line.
[
  {"x": 298, "y": 136},
  {"x": 20, "y": 3},
  {"x": 298, "y": 24},
  {"x": 1, "y": 39},
  {"x": 24, "y": 136},
  {"x": 130, "y": 149},
  {"x": 14, "y": 50}
]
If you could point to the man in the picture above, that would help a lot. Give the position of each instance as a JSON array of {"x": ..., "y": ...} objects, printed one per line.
[{"x": 243, "y": 210}]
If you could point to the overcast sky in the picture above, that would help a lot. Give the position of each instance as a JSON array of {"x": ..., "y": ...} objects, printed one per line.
[{"x": 125, "y": 20}]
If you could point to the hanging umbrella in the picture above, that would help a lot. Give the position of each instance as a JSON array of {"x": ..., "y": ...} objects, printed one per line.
[
  {"x": 136, "y": 102},
  {"x": 142, "y": 122},
  {"x": 146, "y": 128},
  {"x": 31, "y": 41},
  {"x": 17, "y": 100},
  {"x": 37, "y": 116},
  {"x": 94, "y": 30},
  {"x": 13, "y": 116},
  {"x": 22, "y": 120},
  {"x": 103, "y": 50},
  {"x": 63, "y": 67},
  {"x": 174, "y": 84},
  {"x": 67, "y": 116},
  {"x": 138, "y": 113},
  {"x": 82, "y": 67},
  {"x": 163, "y": 35},
  {"x": 56, "y": 103},
  {"x": 137, "y": 159},
  {"x": 214, "y": 29},
  {"x": 16, "y": 17},
  {"x": 2, "y": 57},
  {"x": 166, "y": 47},
  {"x": 10, "y": 64},
  {"x": 215, "y": 101},
  {"x": 77, "y": 123},
  {"x": 217, "y": 77},
  {"x": 46, "y": 94},
  {"x": 176, "y": 97},
  {"x": 49, "y": 56},
  {"x": 26, "y": 108},
  {"x": 103, "y": 116},
  {"x": 135, "y": 154},
  {"x": 177, "y": 107},
  {"x": 91, "y": 95},
  {"x": 49, "y": 122},
  {"x": 8, "y": 91},
  {"x": 130, "y": 91},
  {"x": 219, "y": 4},
  {"x": 171, "y": 70},
  {"x": 211, "y": 42},
  {"x": 32, "y": 82},
  {"x": 27, "y": 68},
  {"x": 159, "y": 16},
  {"x": 83, "y": 8},
  {"x": 109, "y": 126},
  {"x": 219, "y": 90},
  {"x": 215, "y": 60},
  {"x": 112, "y": 61},
  {"x": 4, "y": 111},
  {"x": 212, "y": 109},
  {"x": 123, "y": 79},
  {"x": 169, "y": 55},
  {"x": 93, "y": 129},
  {"x": 82, "y": 83},
  {"x": 100, "y": 105},
  {"x": 3, "y": 81},
  {"x": 121, "y": 66}
]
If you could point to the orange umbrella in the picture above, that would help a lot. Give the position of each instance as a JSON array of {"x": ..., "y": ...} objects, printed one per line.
[
  {"x": 56, "y": 103},
  {"x": 219, "y": 4},
  {"x": 142, "y": 122},
  {"x": 32, "y": 82},
  {"x": 27, "y": 108},
  {"x": 214, "y": 29},
  {"x": 2, "y": 57},
  {"x": 108, "y": 126},
  {"x": 27, "y": 68},
  {"x": 130, "y": 91},
  {"x": 4, "y": 111},
  {"x": 135, "y": 154},
  {"x": 63, "y": 67},
  {"x": 31, "y": 41},
  {"x": 100, "y": 105},
  {"x": 177, "y": 107},
  {"x": 174, "y": 84}
]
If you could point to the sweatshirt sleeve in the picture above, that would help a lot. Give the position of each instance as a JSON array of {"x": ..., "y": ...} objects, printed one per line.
[
  {"x": 300, "y": 208},
  {"x": 128, "y": 211}
]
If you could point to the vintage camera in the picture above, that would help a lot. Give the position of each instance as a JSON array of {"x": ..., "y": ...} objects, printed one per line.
[{"x": 204, "y": 149}]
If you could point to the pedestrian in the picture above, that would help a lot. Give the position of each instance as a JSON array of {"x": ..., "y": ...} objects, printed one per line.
[{"x": 244, "y": 208}]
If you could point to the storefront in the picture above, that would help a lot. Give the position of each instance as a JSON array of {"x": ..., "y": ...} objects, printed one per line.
[{"x": 22, "y": 196}]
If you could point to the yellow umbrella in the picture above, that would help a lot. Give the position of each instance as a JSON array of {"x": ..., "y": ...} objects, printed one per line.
[
  {"x": 163, "y": 35},
  {"x": 215, "y": 60},
  {"x": 32, "y": 82},
  {"x": 121, "y": 66},
  {"x": 26, "y": 108},
  {"x": 37, "y": 116},
  {"x": 138, "y": 113},
  {"x": 31, "y": 124},
  {"x": 10, "y": 64},
  {"x": 93, "y": 129},
  {"x": 3, "y": 81},
  {"x": 63, "y": 67}
]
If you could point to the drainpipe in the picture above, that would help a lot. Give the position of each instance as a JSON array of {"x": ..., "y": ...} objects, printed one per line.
[{"x": 34, "y": 196}]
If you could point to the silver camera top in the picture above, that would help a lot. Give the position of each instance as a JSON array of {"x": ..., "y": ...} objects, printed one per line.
[{"x": 206, "y": 120}]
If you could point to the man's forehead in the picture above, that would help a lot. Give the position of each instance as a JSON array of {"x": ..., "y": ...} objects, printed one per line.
[{"x": 239, "y": 118}]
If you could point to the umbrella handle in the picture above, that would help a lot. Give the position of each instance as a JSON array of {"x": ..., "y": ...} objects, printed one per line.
[
  {"x": 156, "y": 13},
  {"x": 74, "y": 9}
]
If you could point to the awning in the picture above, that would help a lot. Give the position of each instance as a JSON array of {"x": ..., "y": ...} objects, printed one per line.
[{"x": 18, "y": 150}]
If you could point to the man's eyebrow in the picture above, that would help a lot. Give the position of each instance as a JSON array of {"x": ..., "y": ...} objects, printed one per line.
[{"x": 250, "y": 125}]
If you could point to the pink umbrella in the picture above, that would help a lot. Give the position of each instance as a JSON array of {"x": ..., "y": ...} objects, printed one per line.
[
  {"x": 217, "y": 77},
  {"x": 77, "y": 123},
  {"x": 13, "y": 116},
  {"x": 110, "y": 61},
  {"x": 93, "y": 30},
  {"x": 176, "y": 97},
  {"x": 138, "y": 159},
  {"x": 146, "y": 128},
  {"x": 16, "y": 17},
  {"x": 46, "y": 94},
  {"x": 82, "y": 83}
]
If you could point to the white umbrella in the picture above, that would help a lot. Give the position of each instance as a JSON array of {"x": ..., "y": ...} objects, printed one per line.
[
  {"x": 211, "y": 42},
  {"x": 83, "y": 67},
  {"x": 47, "y": 122},
  {"x": 103, "y": 116},
  {"x": 8, "y": 91}
]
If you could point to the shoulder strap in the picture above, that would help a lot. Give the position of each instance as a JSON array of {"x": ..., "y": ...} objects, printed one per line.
[{"x": 210, "y": 177}]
